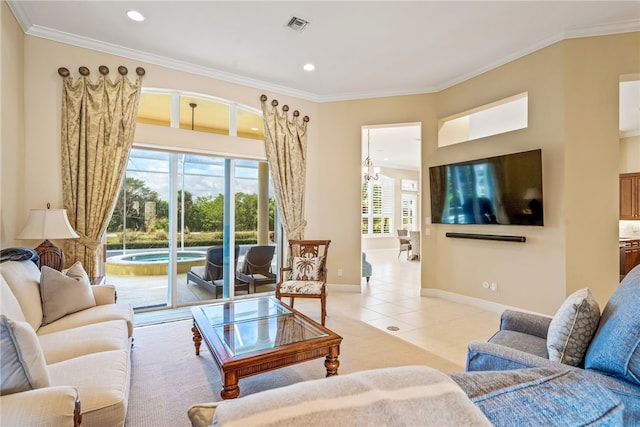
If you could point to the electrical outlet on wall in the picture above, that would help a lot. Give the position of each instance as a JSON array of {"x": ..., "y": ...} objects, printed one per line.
[
  {"x": 494, "y": 286},
  {"x": 340, "y": 272}
]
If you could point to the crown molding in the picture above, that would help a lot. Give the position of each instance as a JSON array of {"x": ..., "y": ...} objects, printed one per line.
[
  {"x": 88, "y": 43},
  {"x": 626, "y": 26}
]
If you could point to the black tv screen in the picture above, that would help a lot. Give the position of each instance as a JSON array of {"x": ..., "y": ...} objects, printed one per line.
[{"x": 497, "y": 190}]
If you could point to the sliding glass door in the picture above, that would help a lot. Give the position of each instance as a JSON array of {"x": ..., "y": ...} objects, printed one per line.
[{"x": 155, "y": 239}]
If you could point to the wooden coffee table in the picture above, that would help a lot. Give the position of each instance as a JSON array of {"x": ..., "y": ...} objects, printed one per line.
[{"x": 255, "y": 335}]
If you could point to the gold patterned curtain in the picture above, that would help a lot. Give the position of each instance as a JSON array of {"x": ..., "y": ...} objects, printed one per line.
[
  {"x": 285, "y": 140},
  {"x": 98, "y": 124}
]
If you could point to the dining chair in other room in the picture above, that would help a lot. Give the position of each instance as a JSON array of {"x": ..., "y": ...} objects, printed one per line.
[
  {"x": 405, "y": 242},
  {"x": 415, "y": 245}
]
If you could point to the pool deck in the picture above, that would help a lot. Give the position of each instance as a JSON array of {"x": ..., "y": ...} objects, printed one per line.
[
  {"x": 150, "y": 292},
  {"x": 147, "y": 290},
  {"x": 135, "y": 264}
]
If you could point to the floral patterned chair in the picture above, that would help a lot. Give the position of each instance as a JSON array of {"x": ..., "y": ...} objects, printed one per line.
[{"x": 306, "y": 273}]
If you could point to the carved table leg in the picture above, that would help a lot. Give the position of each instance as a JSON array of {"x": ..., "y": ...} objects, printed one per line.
[
  {"x": 230, "y": 389},
  {"x": 197, "y": 338},
  {"x": 331, "y": 362}
]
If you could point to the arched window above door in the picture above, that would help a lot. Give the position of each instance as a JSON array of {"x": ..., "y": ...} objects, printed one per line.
[{"x": 200, "y": 113}]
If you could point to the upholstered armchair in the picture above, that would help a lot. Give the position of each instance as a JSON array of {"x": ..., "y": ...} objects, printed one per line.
[
  {"x": 367, "y": 270},
  {"x": 305, "y": 276}
]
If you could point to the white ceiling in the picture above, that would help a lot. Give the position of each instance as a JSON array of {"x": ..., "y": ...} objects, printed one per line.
[{"x": 361, "y": 49}]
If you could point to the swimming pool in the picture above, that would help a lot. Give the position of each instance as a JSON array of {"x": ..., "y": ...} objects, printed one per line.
[{"x": 154, "y": 263}]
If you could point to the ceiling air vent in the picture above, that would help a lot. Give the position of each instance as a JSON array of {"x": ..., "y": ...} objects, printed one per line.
[{"x": 297, "y": 24}]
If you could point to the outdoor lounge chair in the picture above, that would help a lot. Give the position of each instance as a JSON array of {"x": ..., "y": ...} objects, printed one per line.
[
  {"x": 209, "y": 276},
  {"x": 256, "y": 269}
]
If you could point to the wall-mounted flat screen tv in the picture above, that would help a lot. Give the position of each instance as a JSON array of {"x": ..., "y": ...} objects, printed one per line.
[{"x": 497, "y": 190}]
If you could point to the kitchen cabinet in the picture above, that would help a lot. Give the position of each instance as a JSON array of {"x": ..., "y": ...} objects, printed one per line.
[
  {"x": 629, "y": 255},
  {"x": 630, "y": 196}
]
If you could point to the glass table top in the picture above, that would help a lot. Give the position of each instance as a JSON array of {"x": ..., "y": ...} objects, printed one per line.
[
  {"x": 252, "y": 325},
  {"x": 237, "y": 311}
]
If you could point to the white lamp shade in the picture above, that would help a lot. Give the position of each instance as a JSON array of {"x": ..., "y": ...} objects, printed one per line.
[{"x": 47, "y": 224}]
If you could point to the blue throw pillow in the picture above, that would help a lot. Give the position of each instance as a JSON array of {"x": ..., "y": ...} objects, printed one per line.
[{"x": 615, "y": 348}]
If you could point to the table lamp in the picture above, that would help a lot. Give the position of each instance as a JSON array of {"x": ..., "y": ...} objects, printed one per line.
[{"x": 48, "y": 224}]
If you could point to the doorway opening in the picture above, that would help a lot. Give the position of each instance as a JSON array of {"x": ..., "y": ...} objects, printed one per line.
[{"x": 391, "y": 193}]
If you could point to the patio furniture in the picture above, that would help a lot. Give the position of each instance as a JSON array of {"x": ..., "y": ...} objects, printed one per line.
[
  {"x": 306, "y": 275},
  {"x": 209, "y": 276},
  {"x": 256, "y": 269}
]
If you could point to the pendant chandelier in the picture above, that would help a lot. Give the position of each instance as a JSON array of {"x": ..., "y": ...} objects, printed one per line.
[{"x": 369, "y": 171}]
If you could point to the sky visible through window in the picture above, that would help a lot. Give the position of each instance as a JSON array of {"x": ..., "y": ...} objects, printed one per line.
[{"x": 204, "y": 175}]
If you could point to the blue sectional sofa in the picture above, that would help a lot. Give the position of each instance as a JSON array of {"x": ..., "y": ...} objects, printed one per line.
[{"x": 612, "y": 357}]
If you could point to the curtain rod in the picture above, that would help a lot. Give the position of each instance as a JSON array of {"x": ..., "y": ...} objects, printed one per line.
[
  {"x": 285, "y": 108},
  {"x": 104, "y": 70}
]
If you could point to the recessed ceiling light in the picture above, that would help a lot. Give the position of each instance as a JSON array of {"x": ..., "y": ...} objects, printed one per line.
[
  {"x": 254, "y": 128},
  {"x": 309, "y": 67},
  {"x": 135, "y": 16}
]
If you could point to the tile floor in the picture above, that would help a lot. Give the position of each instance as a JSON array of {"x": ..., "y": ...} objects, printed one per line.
[{"x": 392, "y": 299}]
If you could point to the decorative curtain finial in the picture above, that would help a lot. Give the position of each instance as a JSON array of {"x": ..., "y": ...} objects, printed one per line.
[{"x": 103, "y": 69}]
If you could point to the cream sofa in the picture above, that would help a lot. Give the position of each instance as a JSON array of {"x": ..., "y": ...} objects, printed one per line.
[{"x": 83, "y": 356}]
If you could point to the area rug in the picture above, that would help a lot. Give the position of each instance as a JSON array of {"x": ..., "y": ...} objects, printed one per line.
[{"x": 167, "y": 377}]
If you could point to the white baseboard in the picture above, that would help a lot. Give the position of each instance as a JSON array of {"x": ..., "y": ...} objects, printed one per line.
[
  {"x": 475, "y": 302},
  {"x": 451, "y": 296}
]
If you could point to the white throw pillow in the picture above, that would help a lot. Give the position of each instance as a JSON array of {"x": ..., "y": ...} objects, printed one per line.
[
  {"x": 306, "y": 268},
  {"x": 572, "y": 328},
  {"x": 64, "y": 294},
  {"x": 22, "y": 363}
]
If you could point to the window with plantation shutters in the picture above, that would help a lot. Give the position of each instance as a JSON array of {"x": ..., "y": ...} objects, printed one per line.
[
  {"x": 409, "y": 211},
  {"x": 377, "y": 207}
]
